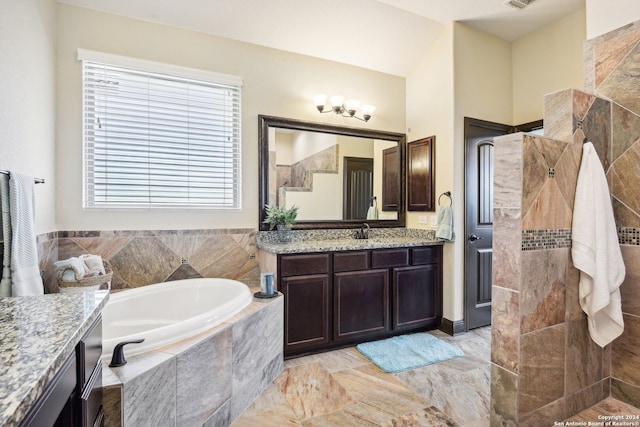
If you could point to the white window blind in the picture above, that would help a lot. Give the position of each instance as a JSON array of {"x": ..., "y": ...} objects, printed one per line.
[{"x": 157, "y": 140}]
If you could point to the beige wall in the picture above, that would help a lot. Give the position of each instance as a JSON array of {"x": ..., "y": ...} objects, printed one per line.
[
  {"x": 546, "y": 61},
  {"x": 27, "y": 98},
  {"x": 430, "y": 111},
  {"x": 275, "y": 83}
]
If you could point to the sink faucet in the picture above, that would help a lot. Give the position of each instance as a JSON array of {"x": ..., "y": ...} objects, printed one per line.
[{"x": 363, "y": 233}]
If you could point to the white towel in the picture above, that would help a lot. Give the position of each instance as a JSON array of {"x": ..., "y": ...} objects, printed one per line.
[
  {"x": 25, "y": 272},
  {"x": 73, "y": 269},
  {"x": 596, "y": 252},
  {"x": 444, "y": 231},
  {"x": 93, "y": 263},
  {"x": 5, "y": 284},
  {"x": 372, "y": 213}
]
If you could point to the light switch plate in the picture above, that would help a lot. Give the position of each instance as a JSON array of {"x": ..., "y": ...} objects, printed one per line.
[
  {"x": 422, "y": 219},
  {"x": 434, "y": 220}
]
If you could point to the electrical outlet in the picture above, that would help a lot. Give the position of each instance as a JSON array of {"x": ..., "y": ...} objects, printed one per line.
[
  {"x": 434, "y": 220},
  {"x": 422, "y": 219}
]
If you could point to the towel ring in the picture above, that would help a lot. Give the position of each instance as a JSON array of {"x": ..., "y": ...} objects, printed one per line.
[{"x": 448, "y": 194}]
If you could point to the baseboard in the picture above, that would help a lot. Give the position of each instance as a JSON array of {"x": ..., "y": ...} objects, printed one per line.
[{"x": 452, "y": 328}]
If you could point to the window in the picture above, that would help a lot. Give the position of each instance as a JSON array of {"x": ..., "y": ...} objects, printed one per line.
[{"x": 159, "y": 136}]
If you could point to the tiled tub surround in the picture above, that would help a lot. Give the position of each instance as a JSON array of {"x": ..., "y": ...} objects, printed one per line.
[
  {"x": 208, "y": 379},
  {"x": 144, "y": 257},
  {"x": 38, "y": 334}
]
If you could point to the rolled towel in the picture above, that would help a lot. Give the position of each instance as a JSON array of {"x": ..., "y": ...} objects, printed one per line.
[
  {"x": 93, "y": 262},
  {"x": 72, "y": 268}
]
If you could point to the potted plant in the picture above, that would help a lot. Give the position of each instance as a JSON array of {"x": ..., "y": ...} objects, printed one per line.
[{"x": 282, "y": 219}]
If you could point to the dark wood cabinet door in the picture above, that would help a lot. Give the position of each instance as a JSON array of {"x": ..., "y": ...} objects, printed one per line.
[
  {"x": 417, "y": 300},
  {"x": 306, "y": 311},
  {"x": 361, "y": 304},
  {"x": 420, "y": 174},
  {"x": 390, "y": 179}
]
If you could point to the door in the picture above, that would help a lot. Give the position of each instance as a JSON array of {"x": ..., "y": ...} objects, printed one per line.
[
  {"x": 478, "y": 137},
  {"x": 358, "y": 187}
]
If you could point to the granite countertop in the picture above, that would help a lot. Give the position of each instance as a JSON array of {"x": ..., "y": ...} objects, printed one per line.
[
  {"x": 37, "y": 334},
  {"x": 346, "y": 244}
]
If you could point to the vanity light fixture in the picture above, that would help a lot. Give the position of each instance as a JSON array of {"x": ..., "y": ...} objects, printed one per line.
[{"x": 345, "y": 108}]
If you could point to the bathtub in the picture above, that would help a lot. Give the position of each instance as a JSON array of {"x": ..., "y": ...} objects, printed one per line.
[{"x": 167, "y": 312}]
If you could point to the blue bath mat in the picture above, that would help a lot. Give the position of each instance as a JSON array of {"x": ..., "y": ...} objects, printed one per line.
[{"x": 408, "y": 352}]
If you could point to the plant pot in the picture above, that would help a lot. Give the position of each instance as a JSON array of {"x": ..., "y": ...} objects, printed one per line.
[{"x": 284, "y": 232}]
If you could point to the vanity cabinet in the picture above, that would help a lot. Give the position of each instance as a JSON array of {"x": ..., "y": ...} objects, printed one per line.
[
  {"x": 346, "y": 297},
  {"x": 74, "y": 397}
]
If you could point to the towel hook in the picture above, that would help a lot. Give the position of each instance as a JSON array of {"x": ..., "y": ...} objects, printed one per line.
[{"x": 448, "y": 194}]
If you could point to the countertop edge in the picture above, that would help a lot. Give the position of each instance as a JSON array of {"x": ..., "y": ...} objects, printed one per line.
[
  {"x": 343, "y": 245},
  {"x": 41, "y": 384}
]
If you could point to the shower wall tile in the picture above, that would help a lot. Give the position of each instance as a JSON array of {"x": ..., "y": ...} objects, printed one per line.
[
  {"x": 625, "y": 352},
  {"x": 504, "y": 393},
  {"x": 507, "y": 191},
  {"x": 545, "y": 416},
  {"x": 549, "y": 209},
  {"x": 542, "y": 363},
  {"x": 573, "y": 310},
  {"x": 536, "y": 171},
  {"x": 621, "y": 84},
  {"x": 626, "y": 130},
  {"x": 625, "y": 392},
  {"x": 558, "y": 115},
  {"x": 625, "y": 179},
  {"x": 630, "y": 288},
  {"x": 566, "y": 172},
  {"x": 203, "y": 379},
  {"x": 596, "y": 126},
  {"x": 505, "y": 331},
  {"x": 585, "y": 398},
  {"x": 542, "y": 299},
  {"x": 506, "y": 247},
  {"x": 582, "y": 352},
  {"x": 611, "y": 53}
]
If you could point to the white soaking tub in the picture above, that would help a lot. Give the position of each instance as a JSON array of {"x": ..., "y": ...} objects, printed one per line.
[{"x": 167, "y": 312}]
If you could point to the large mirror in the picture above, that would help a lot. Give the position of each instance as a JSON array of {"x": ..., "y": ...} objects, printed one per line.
[{"x": 338, "y": 176}]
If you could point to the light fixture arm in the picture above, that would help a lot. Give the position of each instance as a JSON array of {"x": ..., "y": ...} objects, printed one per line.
[{"x": 342, "y": 111}]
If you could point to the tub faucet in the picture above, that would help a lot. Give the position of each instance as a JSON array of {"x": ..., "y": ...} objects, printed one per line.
[{"x": 118, "y": 352}]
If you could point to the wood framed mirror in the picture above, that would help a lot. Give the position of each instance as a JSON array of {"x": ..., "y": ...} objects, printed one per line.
[{"x": 302, "y": 163}]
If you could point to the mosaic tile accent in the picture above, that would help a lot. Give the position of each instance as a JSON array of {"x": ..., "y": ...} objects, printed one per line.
[
  {"x": 533, "y": 240},
  {"x": 629, "y": 236}
]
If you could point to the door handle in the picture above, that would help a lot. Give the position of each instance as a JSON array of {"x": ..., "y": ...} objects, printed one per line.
[{"x": 473, "y": 238}]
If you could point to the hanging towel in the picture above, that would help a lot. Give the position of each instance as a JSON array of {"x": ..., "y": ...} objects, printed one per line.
[
  {"x": 372, "y": 213},
  {"x": 5, "y": 284},
  {"x": 444, "y": 230},
  {"x": 25, "y": 274},
  {"x": 596, "y": 252}
]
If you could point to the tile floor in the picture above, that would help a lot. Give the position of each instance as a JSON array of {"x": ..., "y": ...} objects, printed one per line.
[
  {"x": 608, "y": 407},
  {"x": 343, "y": 388}
]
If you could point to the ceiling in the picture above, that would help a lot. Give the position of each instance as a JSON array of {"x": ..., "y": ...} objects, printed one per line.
[{"x": 389, "y": 36}]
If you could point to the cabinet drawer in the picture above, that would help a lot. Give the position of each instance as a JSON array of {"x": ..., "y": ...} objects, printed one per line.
[
  {"x": 91, "y": 399},
  {"x": 88, "y": 352},
  {"x": 299, "y": 265},
  {"x": 389, "y": 258},
  {"x": 351, "y": 261},
  {"x": 428, "y": 255}
]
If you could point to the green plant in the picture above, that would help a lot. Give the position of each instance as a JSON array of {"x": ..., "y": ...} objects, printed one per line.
[{"x": 280, "y": 215}]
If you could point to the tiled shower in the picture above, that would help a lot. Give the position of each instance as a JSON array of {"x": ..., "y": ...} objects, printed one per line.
[{"x": 545, "y": 367}]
